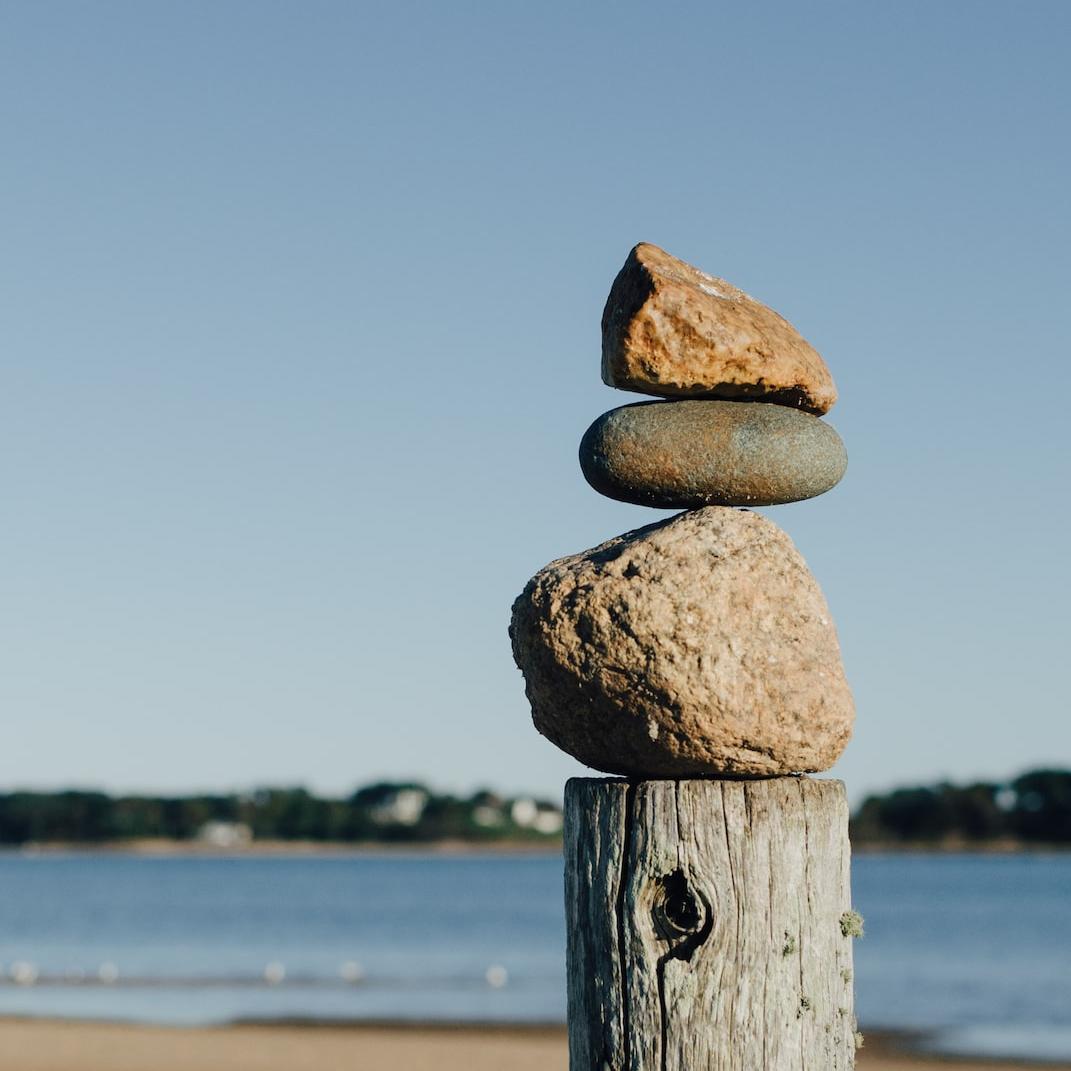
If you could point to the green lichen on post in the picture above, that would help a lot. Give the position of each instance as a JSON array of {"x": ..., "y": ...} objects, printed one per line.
[
  {"x": 851, "y": 924},
  {"x": 789, "y": 946},
  {"x": 846, "y": 975}
]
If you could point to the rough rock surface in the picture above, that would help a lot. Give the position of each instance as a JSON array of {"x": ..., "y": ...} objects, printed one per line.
[
  {"x": 697, "y": 646},
  {"x": 672, "y": 330},
  {"x": 684, "y": 454}
]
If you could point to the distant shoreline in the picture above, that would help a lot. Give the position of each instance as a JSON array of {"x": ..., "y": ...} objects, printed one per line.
[
  {"x": 958, "y": 847},
  {"x": 270, "y": 848},
  {"x": 150, "y": 848}
]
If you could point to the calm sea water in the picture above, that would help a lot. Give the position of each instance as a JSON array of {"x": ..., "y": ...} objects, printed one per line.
[{"x": 975, "y": 949}]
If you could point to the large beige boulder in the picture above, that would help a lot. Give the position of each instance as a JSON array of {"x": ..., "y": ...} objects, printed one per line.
[
  {"x": 701, "y": 645},
  {"x": 672, "y": 330}
]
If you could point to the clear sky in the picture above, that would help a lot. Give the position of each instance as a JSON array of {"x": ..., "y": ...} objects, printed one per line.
[{"x": 300, "y": 331}]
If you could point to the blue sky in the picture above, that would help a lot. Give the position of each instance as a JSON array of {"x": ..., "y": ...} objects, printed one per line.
[{"x": 300, "y": 311}]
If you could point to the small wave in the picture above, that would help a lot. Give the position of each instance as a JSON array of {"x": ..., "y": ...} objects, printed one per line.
[{"x": 494, "y": 977}]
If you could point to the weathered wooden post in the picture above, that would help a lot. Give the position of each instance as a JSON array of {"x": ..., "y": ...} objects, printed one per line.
[
  {"x": 707, "y": 892},
  {"x": 709, "y": 925}
]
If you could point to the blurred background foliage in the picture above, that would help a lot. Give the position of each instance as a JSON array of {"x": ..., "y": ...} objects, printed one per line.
[{"x": 1033, "y": 808}]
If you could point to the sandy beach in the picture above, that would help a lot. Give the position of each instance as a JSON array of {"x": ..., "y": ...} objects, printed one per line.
[{"x": 44, "y": 1045}]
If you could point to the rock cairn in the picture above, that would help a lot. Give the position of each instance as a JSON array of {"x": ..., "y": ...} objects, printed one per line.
[{"x": 700, "y": 645}]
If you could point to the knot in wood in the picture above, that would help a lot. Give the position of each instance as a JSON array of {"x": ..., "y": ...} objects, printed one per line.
[{"x": 678, "y": 911}]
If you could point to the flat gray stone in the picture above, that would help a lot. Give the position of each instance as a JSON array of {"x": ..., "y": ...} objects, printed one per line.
[{"x": 688, "y": 454}]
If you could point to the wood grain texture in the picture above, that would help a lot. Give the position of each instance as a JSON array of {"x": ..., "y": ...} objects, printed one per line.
[{"x": 704, "y": 925}]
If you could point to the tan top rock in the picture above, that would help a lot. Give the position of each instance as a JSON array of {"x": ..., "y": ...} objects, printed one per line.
[
  {"x": 672, "y": 330},
  {"x": 694, "y": 647}
]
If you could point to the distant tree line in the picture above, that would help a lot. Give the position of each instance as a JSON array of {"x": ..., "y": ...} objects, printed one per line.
[
  {"x": 382, "y": 812},
  {"x": 1035, "y": 808}
]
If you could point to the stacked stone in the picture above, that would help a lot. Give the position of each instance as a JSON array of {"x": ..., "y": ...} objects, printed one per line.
[{"x": 699, "y": 645}]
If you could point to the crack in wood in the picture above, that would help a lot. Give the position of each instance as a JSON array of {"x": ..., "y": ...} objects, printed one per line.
[
  {"x": 690, "y": 918},
  {"x": 622, "y": 916}
]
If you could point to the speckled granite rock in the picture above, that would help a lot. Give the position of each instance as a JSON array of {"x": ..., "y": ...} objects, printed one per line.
[
  {"x": 697, "y": 646},
  {"x": 672, "y": 330},
  {"x": 685, "y": 454}
]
